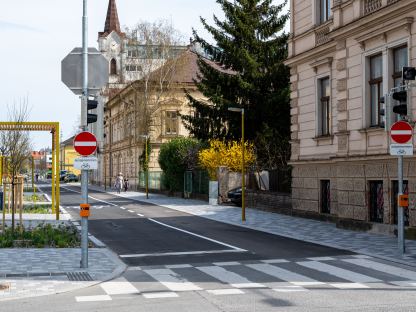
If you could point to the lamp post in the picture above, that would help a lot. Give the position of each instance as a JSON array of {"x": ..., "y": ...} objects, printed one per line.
[
  {"x": 243, "y": 169},
  {"x": 146, "y": 137}
]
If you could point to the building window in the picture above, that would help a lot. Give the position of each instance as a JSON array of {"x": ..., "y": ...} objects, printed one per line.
[
  {"x": 113, "y": 67},
  {"x": 376, "y": 89},
  {"x": 394, "y": 194},
  {"x": 376, "y": 201},
  {"x": 325, "y": 196},
  {"x": 324, "y": 10},
  {"x": 133, "y": 68},
  {"x": 171, "y": 123},
  {"x": 324, "y": 106}
]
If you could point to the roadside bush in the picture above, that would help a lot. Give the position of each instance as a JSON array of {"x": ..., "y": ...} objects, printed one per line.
[
  {"x": 42, "y": 236},
  {"x": 175, "y": 158}
]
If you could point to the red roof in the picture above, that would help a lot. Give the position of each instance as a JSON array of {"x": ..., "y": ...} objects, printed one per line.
[{"x": 112, "y": 22}]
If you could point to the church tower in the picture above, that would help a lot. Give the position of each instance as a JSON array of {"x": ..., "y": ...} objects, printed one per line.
[{"x": 112, "y": 44}]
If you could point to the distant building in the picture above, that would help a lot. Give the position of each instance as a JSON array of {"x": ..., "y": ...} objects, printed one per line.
[
  {"x": 344, "y": 56},
  {"x": 67, "y": 156}
]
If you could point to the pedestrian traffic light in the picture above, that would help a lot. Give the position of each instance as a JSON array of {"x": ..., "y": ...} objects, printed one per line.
[
  {"x": 91, "y": 118},
  {"x": 400, "y": 96},
  {"x": 408, "y": 73}
]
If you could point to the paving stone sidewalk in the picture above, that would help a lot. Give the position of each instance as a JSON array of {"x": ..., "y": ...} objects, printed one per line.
[{"x": 319, "y": 232}]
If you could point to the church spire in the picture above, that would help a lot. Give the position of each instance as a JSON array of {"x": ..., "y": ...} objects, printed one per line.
[{"x": 112, "y": 22}]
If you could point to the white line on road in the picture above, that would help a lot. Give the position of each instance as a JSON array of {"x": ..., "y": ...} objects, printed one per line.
[
  {"x": 183, "y": 253},
  {"x": 170, "y": 279},
  {"x": 221, "y": 292},
  {"x": 130, "y": 211},
  {"x": 93, "y": 298},
  {"x": 140, "y": 215},
  {"x": 197, "y": 235},
  {"x": 229, "y": 277},
  {"x": 123, "y": 208},
  {"x": 119, "y": 287}
]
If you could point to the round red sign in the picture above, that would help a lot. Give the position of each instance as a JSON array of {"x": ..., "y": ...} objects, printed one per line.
[
  {"x": 85, "y": 143},
  {"x": 401, "y": 132}
]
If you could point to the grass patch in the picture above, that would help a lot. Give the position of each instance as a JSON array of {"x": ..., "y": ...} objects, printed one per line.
[
  {"x": 33, "y": 198},
  {"x": 38, "y": 209},
  {"x": 42, "y": 236}
]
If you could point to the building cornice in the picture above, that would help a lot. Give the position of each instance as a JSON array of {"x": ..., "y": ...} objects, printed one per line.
[{"x": 312, "y": 54}]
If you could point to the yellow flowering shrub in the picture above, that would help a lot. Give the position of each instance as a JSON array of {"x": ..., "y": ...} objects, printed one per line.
[{"x": 228, "y": 154}]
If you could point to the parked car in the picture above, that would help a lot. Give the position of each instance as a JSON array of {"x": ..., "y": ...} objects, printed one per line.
[
  {"x": 235, "y": 196},
  {"x": 70, "y": 178},
  {"x": 62, "y": 175}
]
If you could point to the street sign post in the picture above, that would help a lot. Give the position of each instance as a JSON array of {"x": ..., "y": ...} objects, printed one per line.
[
  {"x": 85, "y": 143},
  {"x": 401, "y": 133}
]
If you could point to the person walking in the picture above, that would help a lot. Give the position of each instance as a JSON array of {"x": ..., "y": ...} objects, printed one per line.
[
  {"x": 119, "y": 182},
  {"x": 126, "y": 185}
]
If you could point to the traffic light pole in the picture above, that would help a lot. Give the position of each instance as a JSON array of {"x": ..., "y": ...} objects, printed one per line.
[
  {"x": 84, "y": 125},
  {"x": 400, "y": 212}
]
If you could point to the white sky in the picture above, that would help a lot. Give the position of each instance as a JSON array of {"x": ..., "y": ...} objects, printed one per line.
[{"x": 37, "y": 34}]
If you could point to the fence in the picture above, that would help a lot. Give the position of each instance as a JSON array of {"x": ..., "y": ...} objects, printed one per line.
[
  {"x": 280, "y": 180},
  {"x": 196, "y": 182},
  {"x": 155, "y": 180}
]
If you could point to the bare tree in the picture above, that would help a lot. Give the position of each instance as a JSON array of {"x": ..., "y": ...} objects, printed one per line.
[{"x": 16, "y": 145}]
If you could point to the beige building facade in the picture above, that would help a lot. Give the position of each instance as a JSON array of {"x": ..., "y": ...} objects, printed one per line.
[
  {"x": 344, "y": 55},
  {"x": 126, "y": 121}
]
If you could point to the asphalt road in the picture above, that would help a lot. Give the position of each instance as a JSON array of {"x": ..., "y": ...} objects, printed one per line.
[{"x": 145, "y": 234}]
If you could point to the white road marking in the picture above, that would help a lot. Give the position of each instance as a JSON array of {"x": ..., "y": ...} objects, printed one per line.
[
  {"x": 291, "y": 288},
  {"x": 166, "y": 254},
  {"x": 221, "y": 292},
  {"x": 130, "y": 211},
  {"x": 227, "y": 263},
  {"x": 96, "y": 199},
  {"x": 385, "y": 268},
  {"x": 197, "y": 235},
  {"x": 178, "y": 266},
  {"x": 285, "y": 275},
  {"x": 119, "y": 287},
  {"x": 404, "y": 283},
  {"x": 229, "y": 277},
  {"x": 93, "y": 298},
  {"x": 156, "y": 295},
  {"x": 321, "y": 258},
  {"x": 140, "y": 215},
  {"x": 275, "y": 261},
  {"x": 172, "y": 280},
  {"x": 339, "y": 272},
  {"x": 349, "y": 285},
  {"x": 123, "y": 208}
]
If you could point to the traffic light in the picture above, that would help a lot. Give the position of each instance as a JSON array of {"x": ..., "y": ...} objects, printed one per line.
[
  {"x": 408, "y": 73},
  {"x": 400, "y": 96},
  {"x": 91, "y": 118}
]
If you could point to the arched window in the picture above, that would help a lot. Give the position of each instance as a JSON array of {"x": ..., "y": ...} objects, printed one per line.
[{"x": 113, "y": 67}]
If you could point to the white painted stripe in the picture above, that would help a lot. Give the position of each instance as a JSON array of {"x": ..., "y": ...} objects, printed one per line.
[
  {"x": 93, "y": 298},
  {"x": 131, "y": 211},
  {"x": 156, "y": 295},
  {"x": 275, "y": 261},
  {"x": 404, "y": 283},
  {"x": 398, "y": 132},
  {"x": 349, "y": 285},
  {"x": 140, "y": 215},
  {"x": 85, "y": 143},
  {"x": 134, "y": 268},
  {"x": 339, "y": 272},
  {"x": 290, "y": 289},
  {"x": 178, "y": 266},
  {"x": 229, "y": 277},
  {"x": 385, "y": 268},
  {"x": 285, "y": 275},
  {"x": 197, "y": 235},
  {"x": 123, "y": 208},
  {"x": 119, "y": 287},
  {"x": 96, "y": 199},
  {"x": 321, "y": 258},
  {"x": 230, "y": 263},
  {"x": 362, "y": 257},
  {"x": 221, "y": 292},
  {"x": 165, "y": 254},
  {"x": 172, "y": 280}
]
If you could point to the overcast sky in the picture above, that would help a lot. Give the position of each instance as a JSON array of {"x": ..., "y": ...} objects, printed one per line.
[{"x": 37, "y": 34}]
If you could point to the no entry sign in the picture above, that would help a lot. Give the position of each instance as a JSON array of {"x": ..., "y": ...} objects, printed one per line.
[
  {"x": 85, "y": 143},
  {"x": 401, "y": 132}
]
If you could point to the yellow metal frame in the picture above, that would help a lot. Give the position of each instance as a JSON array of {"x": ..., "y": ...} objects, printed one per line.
[{"x": 52, "y": 127}]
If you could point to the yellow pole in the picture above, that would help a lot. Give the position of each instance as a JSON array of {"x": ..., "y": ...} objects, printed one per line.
[
  {"x": 33, "y": 178},
  {"x": 53, "y": 170},
  {"x": 57, "y": 189},
  {"x": 20, "y": 204},
  {"x": 1, "y": 170},
  {"x": 147, "y": 170},
  {"x": 243, "y": 184}
]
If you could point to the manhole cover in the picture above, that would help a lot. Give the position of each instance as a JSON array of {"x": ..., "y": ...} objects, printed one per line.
[{"x": 4, "y": 287}]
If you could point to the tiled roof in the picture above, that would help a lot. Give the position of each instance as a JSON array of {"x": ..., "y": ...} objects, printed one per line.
[{"x": 112, "y": 23}]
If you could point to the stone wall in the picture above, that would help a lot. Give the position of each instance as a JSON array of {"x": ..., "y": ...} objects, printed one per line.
[{"x": 269, "y": 201}]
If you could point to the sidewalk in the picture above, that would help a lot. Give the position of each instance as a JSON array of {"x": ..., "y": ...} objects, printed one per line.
[
  {"x": 318, "y": 232},
  {"x": 30, "y": 272}
]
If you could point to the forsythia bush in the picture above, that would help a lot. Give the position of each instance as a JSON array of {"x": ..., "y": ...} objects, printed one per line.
[{"x": 228, "y": 154}]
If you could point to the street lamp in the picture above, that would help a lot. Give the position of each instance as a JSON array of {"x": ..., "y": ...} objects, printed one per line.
[
  {"x": 243, "y": 178},
  {"x": 146, "y": 137}
]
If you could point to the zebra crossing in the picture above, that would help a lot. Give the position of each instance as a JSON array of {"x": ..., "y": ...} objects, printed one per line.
[{"x": 237, "y": 278}]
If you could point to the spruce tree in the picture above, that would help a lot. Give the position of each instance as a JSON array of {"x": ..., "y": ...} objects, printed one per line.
[{"x": 244, "y": 69}]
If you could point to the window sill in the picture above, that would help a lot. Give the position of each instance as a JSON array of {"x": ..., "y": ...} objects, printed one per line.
[
  {"x": 323, "y": 137},
  {"x": 371, "y": 129}
]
